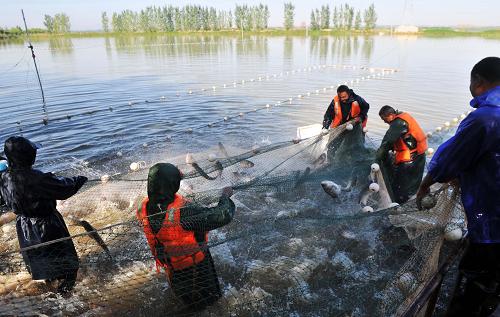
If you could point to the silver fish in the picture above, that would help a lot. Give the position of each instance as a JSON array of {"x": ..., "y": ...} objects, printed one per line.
[
  {"x": 331, "y": 188},
  {"x": 218, "y": 165},
  {"x": 243, "y": 163},
  {"x": 320, "y": 160},
  {"x": 246, "y": 164}
]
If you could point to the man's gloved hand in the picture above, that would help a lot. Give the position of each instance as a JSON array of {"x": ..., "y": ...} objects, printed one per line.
[
  {"x": 324, "y": 131},
  {"x": 80, "y": 180}
]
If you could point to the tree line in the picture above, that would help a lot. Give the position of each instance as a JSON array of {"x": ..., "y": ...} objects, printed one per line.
[
  {"x": 344, "y": 17},
  {"x": 187, "y": 18},
  {"x": 198, "y": 18},
  {"x": 59, "y": 23}
]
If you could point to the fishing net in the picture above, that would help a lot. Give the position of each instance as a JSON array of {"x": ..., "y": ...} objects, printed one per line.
[{"x": 291, "y": 248}]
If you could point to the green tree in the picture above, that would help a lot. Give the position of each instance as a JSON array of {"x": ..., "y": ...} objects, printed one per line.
[
  {"x": 238, "y": 17},
  {"x": 230, "y": 20},
  {"x": 336, "y": 18},
  {"x": 325, "y": 17},
  {"x": 212, "y": 17},
  {"x": 61, "y": 23},
  {"x": 289, "y": 15},
  {"x": 370, "y": 17},
  {"x": 348, "y": 17},
  {"x": 105, "y": 22},
  {"x": 48, "y": 21},
  {"x": 357, "y": 21},
  {"x": 314, "y": 21},
  {"x": 267, "y": 14}
]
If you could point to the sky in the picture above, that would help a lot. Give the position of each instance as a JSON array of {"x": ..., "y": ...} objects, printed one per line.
[{"x": 85, "y": 15}]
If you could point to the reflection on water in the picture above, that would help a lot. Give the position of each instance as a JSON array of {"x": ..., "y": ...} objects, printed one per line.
[
  {"x": 82, "y": 75},
  {"x": 192, "y": 45},
  {"x": 60, "y": 45},
  {"x": 255, "y": 45},
  {"x": 368, "y": 47},
  {"x": 343, "y": 47},
  {"x": 287, "y": 52}
]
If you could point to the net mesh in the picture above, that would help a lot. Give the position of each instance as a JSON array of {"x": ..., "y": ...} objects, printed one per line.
[{"x": 290, "y": 248}]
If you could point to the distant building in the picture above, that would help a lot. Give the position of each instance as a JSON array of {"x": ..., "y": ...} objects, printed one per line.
[{"x": 406, "y": 29}]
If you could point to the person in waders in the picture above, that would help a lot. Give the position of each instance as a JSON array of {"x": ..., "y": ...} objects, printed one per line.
[
  {"x": 406, "y": 168},
  {"x": 177, "y": 234},
  {"x": 346, "y": 106},
  {"x": 31, "y": 195},
  {"x": 472, "y": 156}
]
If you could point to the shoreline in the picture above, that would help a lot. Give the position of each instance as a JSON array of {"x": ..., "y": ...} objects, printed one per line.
[{"x": 423, "y": 32}]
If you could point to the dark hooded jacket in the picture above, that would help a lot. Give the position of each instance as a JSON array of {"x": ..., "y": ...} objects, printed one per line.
[
  {"x": 403, "y": 178},
  {"x": 346, "y": 109},
  {"x": 31, "y": 195},
  {"x": 197, "y": 286},
  {"x": 163, "y": 183}
]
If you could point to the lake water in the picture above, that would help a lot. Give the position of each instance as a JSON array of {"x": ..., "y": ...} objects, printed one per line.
[{"x": 89, "y": 84}]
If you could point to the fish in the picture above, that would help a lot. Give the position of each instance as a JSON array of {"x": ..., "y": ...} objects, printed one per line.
[
  {"x": 238, "y": 174},
  {"x": 222, "y": 150},
  {"x": 320, "y": 160},
  {"x": 204, "y": 174},
  {"x": 243, "y": 163},
  {"x": 191, "y": 161},
  {"x": 92, "y": 233},
  {"x": 246, "y": 164},
  {"x": 331, "y": 188},
  {"x": 187, "y": 188}
]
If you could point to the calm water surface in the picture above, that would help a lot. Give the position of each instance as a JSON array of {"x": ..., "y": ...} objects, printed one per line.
[{"x": 89, "y": 83}]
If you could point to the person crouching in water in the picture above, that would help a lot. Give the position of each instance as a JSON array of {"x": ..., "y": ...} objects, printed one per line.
[
  {"x": 31, "y": 195},
  {"x": 177, "y": 234},
  {"x": 408, "y": 141}
]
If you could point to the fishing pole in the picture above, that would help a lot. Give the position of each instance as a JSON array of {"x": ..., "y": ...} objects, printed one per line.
[{"x": 30, "y": 46}]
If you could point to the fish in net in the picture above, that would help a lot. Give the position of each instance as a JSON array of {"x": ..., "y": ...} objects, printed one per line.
[{"x": 291, "y": 248}]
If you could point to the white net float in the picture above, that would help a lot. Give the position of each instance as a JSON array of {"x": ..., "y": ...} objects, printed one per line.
[
  {"x": 105, "y": 178},
  {"x": 374, "y": 187},
  {"x": 367, "y": 209}
]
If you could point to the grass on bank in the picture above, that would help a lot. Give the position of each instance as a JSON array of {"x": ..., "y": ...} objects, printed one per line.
[{"x": 40, "y": 34}]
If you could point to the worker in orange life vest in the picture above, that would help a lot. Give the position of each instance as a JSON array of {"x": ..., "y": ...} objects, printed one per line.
[
  {"x": 345, "y": 106},
  {"x": 408, "y": 141},
  {"x": 177, "y": 234}
]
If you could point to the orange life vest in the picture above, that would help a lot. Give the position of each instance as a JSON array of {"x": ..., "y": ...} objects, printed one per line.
[
  {"x": 403, "y": 152},
  {"x": 180, "y": 246},
  {"x": 355, "y": 111}
]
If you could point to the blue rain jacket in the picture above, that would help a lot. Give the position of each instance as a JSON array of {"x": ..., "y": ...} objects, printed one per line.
[{"x": 473, "y": 155}]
